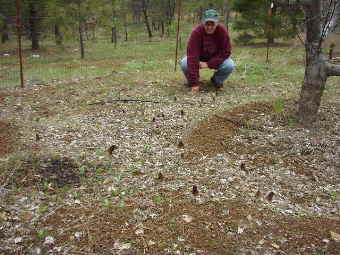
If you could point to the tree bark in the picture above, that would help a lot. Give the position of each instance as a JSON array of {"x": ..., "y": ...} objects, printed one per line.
[
  {"x": 227, "y": 17},
  {"x": 146, "y": 19},
  {"x": 33, "y": 21},
  {"x": 162, "y": 28},
  {"x": 311, "y": 91},
  {"x": 334, "y": 19},
  {"x": 318, "y": 69},
  {"x": 170, "y": 13},
  {"x": 114, "y": 36},
  {"x": 81, "y": 40},
  {"x": 4, "y": 33},
  {"x": 125, "y": 27},
  {"x": 200, "y": 15},
  {"x": 114, "y": 29},
  {"x": 58, "y": 35},
  {"x": 270, "y": 24},
  {"x": 332, "y": 69},
  {"x": 315, "y": 74}
]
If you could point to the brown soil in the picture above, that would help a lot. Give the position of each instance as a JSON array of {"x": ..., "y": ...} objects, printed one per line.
[
  {"x": 3, "y": 95},
  {"x": 218, "y": 227},
  {"x": 8, "y": 135},
  {"x": 8, "y": 131},
  {"x": 209, "y": 136},
  {"x": 54, "y": 172},
  {"x": 211, "y": 230}
]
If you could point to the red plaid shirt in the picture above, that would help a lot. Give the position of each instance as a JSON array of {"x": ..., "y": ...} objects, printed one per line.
[{"x": 211, "y": 48}]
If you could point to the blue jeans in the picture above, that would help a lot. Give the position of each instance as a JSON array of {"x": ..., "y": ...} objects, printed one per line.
[{"x": 221, "y": 74}]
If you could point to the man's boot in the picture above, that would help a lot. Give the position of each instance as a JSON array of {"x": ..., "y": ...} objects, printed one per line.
[{"x": 215, "y": 84}]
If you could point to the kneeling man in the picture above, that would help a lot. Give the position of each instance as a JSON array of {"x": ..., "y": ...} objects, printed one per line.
[{"x": 208, "y": 47}]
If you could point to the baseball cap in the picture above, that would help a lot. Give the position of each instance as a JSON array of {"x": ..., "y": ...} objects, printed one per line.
[{"x": 210, "y": 15}]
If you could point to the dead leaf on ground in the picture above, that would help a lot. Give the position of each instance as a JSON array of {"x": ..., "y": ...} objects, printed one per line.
[{"x": 335, "y": 236}]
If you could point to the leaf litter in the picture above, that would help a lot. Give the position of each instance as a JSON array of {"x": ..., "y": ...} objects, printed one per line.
[{"x": 244, "y": 181}]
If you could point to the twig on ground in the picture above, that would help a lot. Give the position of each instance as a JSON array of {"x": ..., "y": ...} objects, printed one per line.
[
  {"x": 241, "y": 124},
  {"x": 229, "y": 120},
  {"x": 142, "y": 101},
  {"x": 7, "y": 180},
  {"x": 52, "y": 212}
]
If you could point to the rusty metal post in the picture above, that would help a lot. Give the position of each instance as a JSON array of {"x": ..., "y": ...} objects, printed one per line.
[
  {"x": 177, "y": 36},
  {"x": 18, "y": 24},
  {"x": 269, "y": 27}
]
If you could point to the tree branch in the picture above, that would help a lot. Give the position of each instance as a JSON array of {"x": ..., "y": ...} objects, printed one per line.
[
  {"x": 332, "y": 69},
  {"x": 328, "y": 19},
  {"x": 143, "y": 101}
]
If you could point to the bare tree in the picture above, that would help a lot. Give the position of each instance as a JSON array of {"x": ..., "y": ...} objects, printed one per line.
[
  {"x": 5, "y": 30},
  {"x": 34, "y": 24},
  {"x": 334, "y": 22},
  {"x": 114, "y": 24},
  {"x": 58, "y": 35},
  {"x": 318, "y": 66},
  {"x": 81, "y": 30},
  {"x": 145, "y": 5}
]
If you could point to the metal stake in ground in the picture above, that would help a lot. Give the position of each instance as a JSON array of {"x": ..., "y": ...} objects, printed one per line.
[
  {"x": 178, "y": 23},
  {"x": 18, "y": 23},
  {"x": 269, "y": 27}
]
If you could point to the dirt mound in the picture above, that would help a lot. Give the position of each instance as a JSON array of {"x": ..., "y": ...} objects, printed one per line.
[
  {"x": 208, "y": 137},
  {"x": 223, "y": 219}
]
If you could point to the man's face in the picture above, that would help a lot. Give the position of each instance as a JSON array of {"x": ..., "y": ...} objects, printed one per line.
[{"x": 210, "y": 27}]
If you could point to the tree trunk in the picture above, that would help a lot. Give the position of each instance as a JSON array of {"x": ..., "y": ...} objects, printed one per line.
[
  {"x": 200, "y": 15},
  {"x": 318, "y": 68},
  {"x": 146, "y": 19},
  {"x": 270, "y": 40},
  {"x": 81, "y": 31},
  {"x": 315, "y": 74},
  {"x": 114, "y": 25},
  {"x": 58, "y": 35},
  {"x": 153, "y": 25},
  {"x": 170, "y": 11},
  {"x": 94, "y": 32},
  {"x": 86, "y": 32},
  {"x": 114, "y": 36},
  {"x": 334, "y": 22},
  {"x": 162, "y": 28},
  {"x": 227, "y": 17},
  {"x": 33, "y": 21},
  {"x": 81, "y": 40},
  {"x": 270, "y": 24},
  {"x": 125, "y": 27},
  {"x": 311, "y": 91},
  {"x": 4, "y": 33}
]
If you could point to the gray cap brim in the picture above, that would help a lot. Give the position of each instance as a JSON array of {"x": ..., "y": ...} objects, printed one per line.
[{"x": 210, "y": 19}]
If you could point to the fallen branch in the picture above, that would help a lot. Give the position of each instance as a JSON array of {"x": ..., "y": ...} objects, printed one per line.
[
  {"x": 142, "y": 101},
  {"x": 236, "y": 123},
  {"x": 7, "y": 180},
  {"x": 242, "y": 124},
  {"x": 333, "y": 68}
]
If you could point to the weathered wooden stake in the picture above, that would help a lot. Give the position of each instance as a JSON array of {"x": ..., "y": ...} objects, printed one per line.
[
  {"x": 269, "y": 31},
  {"x": 177, "y": 36},
  {"x": 18, "y": 23}
]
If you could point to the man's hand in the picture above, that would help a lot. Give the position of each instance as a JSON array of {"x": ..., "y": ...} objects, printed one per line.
[
  {"x": 203, "y": 65},
  {"x": 195, "y": 89}
]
